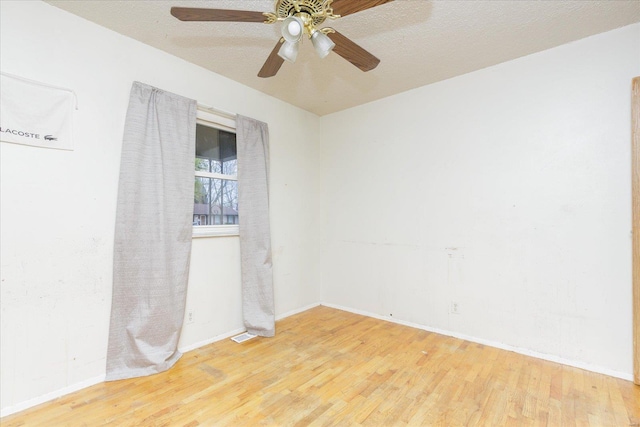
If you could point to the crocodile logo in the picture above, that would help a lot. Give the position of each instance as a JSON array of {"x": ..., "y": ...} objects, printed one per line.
[{"x": 50, "y": 138}]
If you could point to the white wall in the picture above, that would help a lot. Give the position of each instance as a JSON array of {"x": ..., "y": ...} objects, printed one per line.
[
  {"x": 506, "y": 190},
  {"x": 58, "y": 207}
]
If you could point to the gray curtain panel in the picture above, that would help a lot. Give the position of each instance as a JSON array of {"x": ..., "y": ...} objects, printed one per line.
[
  {"x": 153, "y": 232},
  {"x": 255, "y": 237}
]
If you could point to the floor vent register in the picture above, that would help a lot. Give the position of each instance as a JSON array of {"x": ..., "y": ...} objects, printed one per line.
[{"x": 246, "y": 336}]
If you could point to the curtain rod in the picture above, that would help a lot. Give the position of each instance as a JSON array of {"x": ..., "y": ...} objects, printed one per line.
[{"x": 217, "y": 111}]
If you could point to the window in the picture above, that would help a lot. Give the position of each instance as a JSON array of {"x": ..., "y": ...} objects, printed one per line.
[{"x": 215, "y": 201}]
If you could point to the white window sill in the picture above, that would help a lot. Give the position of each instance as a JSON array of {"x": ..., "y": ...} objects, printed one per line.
[{"x": 215, "y": 230}]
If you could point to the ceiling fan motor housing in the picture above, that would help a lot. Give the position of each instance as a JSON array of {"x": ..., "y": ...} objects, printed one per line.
[{"x": 318, "y": 10}]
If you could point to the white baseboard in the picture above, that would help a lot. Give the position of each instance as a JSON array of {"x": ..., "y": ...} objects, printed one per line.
[
  {"x": 524, "y": 351},
  {"x": 296, "y": 311},
  {"x": 241, "y": 330},
  {"x": 208, "y": 341},
  {"x": 50, "y": 396}
]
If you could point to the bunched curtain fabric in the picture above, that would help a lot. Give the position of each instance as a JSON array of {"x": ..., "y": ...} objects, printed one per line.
[
  {"x": 153, "y": 233},
  {"x": 255, "y": 238}
]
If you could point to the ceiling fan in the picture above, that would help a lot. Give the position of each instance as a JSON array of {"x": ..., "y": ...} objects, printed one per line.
[{"x": 299, "y": 18}]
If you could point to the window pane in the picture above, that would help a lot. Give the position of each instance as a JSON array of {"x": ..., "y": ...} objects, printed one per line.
[
  {"x": 215, "y": 201},
  {"x": 230, "y": 201},
  {"x": 215, "y": 150}
]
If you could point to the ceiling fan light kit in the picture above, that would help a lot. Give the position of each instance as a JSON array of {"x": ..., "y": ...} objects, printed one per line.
[{"x": 298, "y": 18}]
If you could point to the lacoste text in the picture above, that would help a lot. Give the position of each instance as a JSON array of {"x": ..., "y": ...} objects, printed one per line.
[{"x": 20, "y": 133}]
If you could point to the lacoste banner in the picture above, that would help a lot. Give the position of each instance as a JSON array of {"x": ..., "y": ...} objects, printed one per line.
[{"x": 34, "y": 113}]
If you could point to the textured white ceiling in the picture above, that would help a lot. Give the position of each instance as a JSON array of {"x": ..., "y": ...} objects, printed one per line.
[{"x": 418, "y": 41}]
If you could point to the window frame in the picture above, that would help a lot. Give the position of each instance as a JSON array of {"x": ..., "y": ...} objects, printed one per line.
[{"x": 207, "y": 116}]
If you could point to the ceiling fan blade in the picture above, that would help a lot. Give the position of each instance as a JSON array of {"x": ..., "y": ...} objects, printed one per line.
[
  {"x": 353, "y": 53},
  {"x": 197, "y": 14},
  {"x": 347, "y": 7},
  {"x": 273, "y": 62}
]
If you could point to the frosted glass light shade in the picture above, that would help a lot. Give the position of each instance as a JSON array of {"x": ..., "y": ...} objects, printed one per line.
[
  {"x": 322, "y": 43},
  {"x": 289, "y": 51},
  {"x": 292, "y": 29}
]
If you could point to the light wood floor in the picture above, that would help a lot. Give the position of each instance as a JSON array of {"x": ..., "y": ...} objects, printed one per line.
[{"x": 327, "y": 367}]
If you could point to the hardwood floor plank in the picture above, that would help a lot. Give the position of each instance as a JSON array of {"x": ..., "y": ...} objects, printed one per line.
[{"x": 327, "y": 367}]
